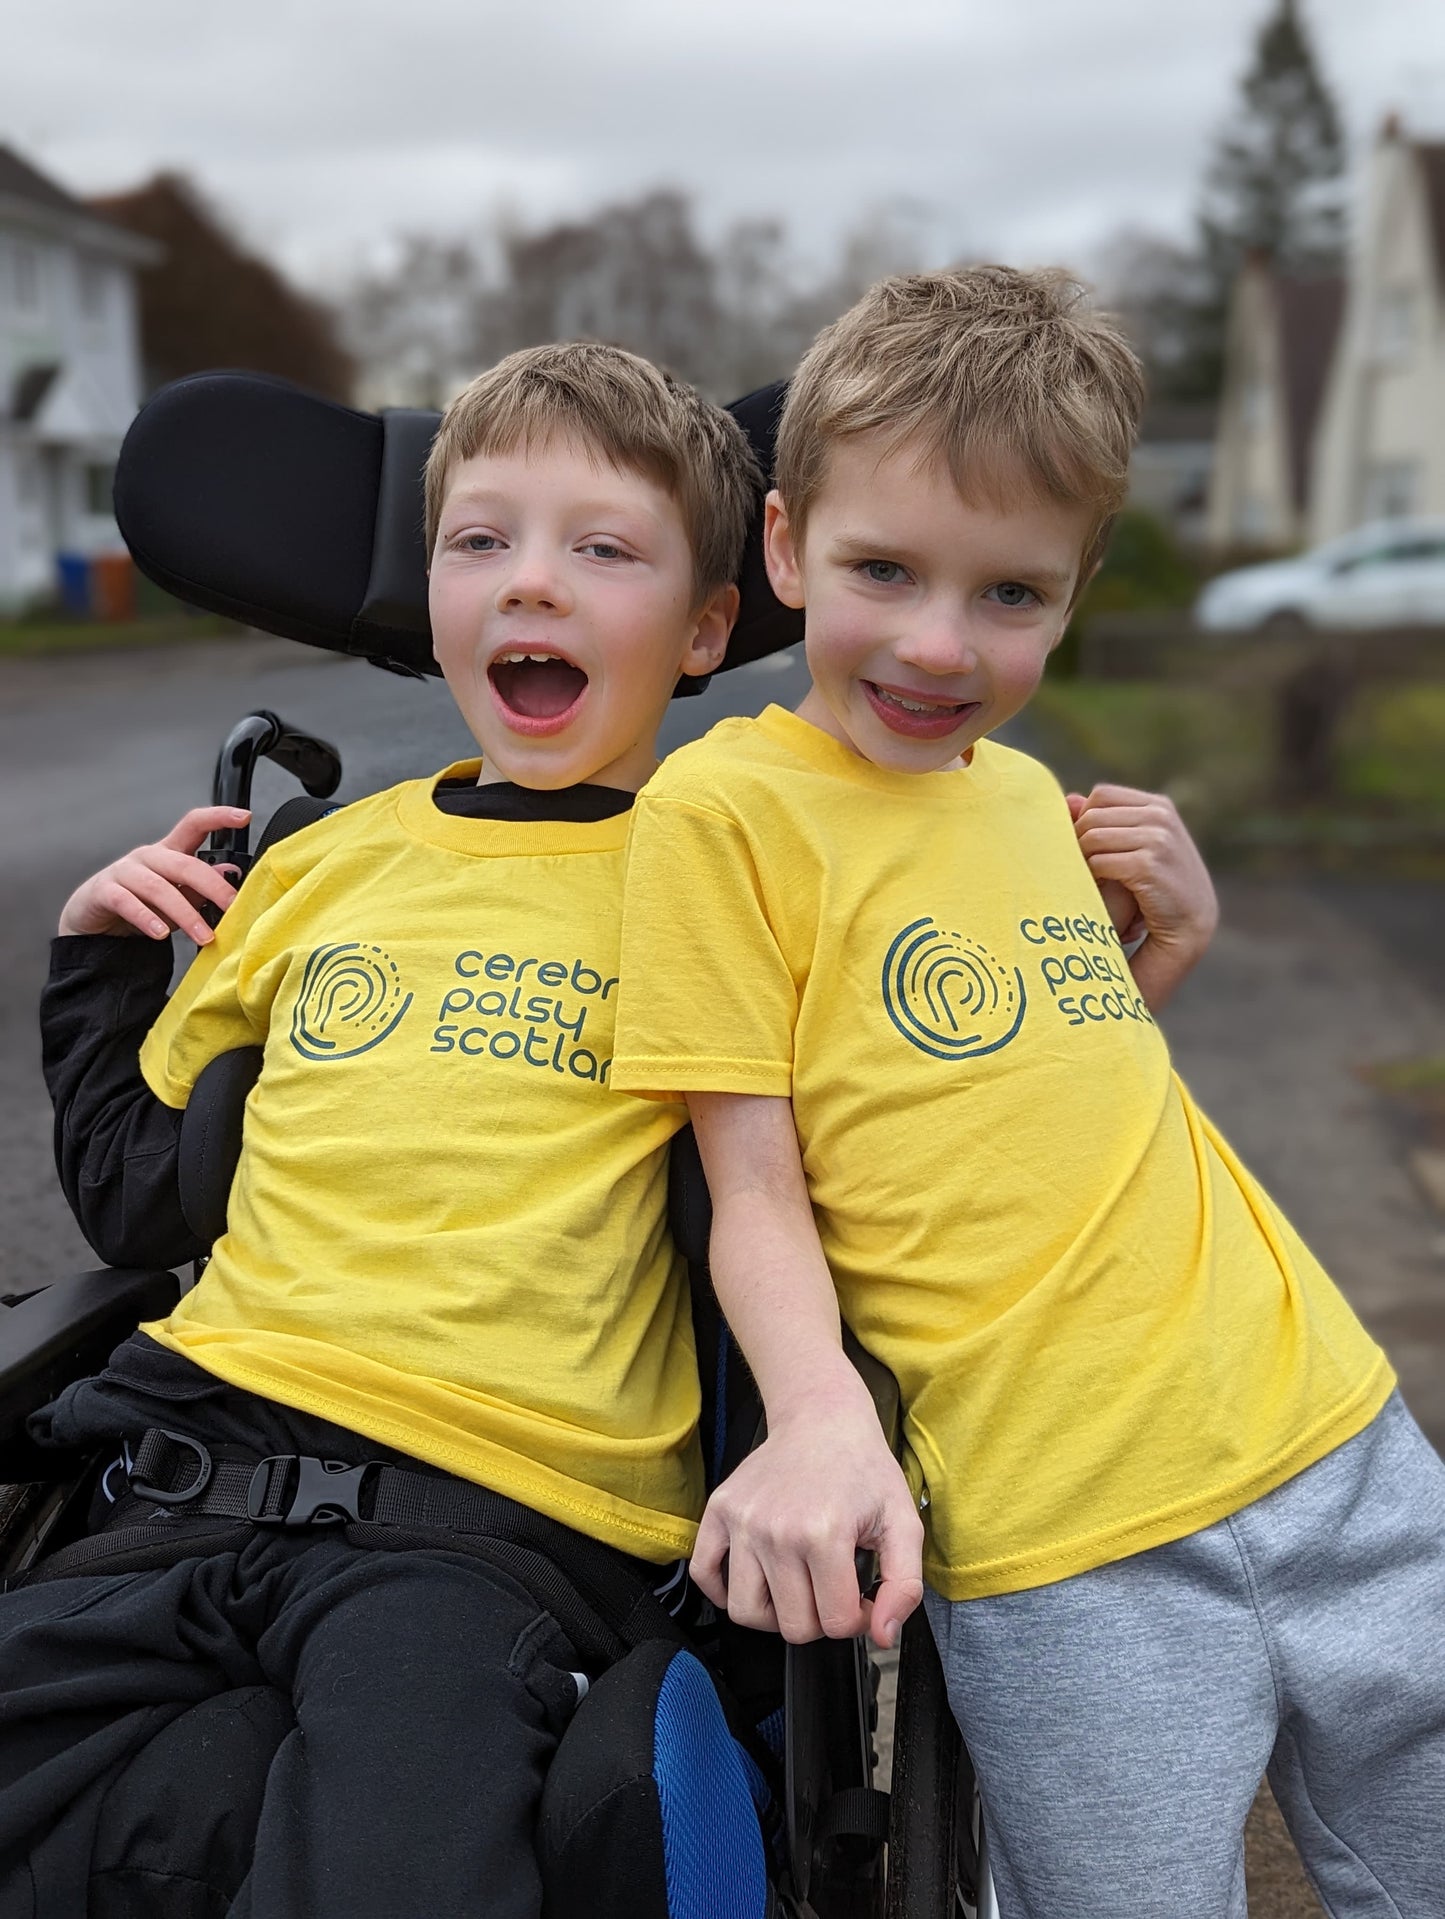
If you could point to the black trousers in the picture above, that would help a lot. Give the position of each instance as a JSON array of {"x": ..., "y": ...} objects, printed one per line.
[{"x": 380, "y": 1723}]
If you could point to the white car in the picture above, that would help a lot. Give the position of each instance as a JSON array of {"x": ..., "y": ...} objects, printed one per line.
[{"x": 1389, "y": 574}]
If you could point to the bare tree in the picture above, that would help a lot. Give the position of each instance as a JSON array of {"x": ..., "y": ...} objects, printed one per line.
[
  {"x": 635, "y": 274},
  {"x": 415, "y": 325},
  {"x": 730, "y": 317}
]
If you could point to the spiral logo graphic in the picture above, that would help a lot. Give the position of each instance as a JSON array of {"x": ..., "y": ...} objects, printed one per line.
[
  {"x": 948, "y": 995},
  {"x": 350, "y": 1000}
]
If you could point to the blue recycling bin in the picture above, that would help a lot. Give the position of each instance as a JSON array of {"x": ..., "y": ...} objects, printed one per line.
[{"x": 73, "y": 572}]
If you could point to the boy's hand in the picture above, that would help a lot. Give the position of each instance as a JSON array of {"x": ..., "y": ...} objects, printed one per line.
[
  {"x": 777, "y": 1542},
  {"x": 154, "y": 889},
  {"x": 1152, "y": 880}
]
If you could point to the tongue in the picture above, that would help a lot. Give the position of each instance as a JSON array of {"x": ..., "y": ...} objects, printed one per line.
[{"x": 539, "y": 690}]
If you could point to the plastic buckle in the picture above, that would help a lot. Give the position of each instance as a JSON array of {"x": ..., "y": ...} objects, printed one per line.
[
  {"x": 326, "y": 1491},
  {"x": 161, "y": 1495}
]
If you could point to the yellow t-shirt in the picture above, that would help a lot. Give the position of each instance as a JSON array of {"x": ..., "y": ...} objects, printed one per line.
[
  {"x": 446, "y": 1232},
  {"x": 1105, "y": 1334}
]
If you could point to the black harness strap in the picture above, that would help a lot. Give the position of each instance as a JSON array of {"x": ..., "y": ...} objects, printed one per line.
[{"x": 185, "y": 1499}]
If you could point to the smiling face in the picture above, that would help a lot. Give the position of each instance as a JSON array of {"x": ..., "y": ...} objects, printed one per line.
[
  {"x": 563, "y": 612},
  {"x": 930, "y": 618}
]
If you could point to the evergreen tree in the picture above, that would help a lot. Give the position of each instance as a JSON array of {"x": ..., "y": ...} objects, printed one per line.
[{"x": 1274, "y": 185}]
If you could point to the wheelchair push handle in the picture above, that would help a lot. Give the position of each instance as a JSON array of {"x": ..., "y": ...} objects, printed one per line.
[{"x": 264, "y": 735}]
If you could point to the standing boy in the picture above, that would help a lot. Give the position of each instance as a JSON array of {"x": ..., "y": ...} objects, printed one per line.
[
  {"x": 1179, "y": 1527},
  {"x": 446, "y": 1247}
]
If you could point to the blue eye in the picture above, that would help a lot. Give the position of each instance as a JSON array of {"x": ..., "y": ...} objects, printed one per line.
[
  {"x": 605, "y": 550},
  {"x": 479, "y": 542},
  {"x": 1014, "y": 593},
  {"x": 882, "y": 572}
]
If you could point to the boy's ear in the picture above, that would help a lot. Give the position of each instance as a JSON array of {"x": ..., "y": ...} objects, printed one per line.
[
  {"x": 714, "y": 627},
  {"x": 780, "y": 552}
]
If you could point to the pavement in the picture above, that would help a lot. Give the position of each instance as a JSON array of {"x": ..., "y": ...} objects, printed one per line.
[{"x": 1308, "y": 984}]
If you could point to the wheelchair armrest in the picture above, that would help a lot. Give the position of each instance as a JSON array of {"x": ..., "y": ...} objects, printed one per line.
[{"x": 65, "y": 1331}]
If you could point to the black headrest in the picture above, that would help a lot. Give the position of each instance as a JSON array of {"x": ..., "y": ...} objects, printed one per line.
[{"x": 248, "y": 497}]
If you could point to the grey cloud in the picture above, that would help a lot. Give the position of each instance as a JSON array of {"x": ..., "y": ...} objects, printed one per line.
[{"x": 1032, "y": 127}]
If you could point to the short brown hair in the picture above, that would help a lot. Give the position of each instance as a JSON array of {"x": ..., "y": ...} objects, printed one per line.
[
  {"x": 1008, "y": 376},
  {"x": 636, "y": 417}
]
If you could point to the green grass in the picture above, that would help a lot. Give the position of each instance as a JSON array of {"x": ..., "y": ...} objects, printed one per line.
[
  {"x": 1208, "y": 749},
  {"x": 1394, "y": 749},
  {"x": 1411, "y": 1078},
  {"x": 18, "y": 637}
]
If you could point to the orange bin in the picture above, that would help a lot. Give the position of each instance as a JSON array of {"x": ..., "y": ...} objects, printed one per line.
[{"x": 112, "y": 587}]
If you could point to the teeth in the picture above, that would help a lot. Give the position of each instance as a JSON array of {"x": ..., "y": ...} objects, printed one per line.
[
  {"x": 521, "y": 659},
  {"x": 916, "y": 706}
]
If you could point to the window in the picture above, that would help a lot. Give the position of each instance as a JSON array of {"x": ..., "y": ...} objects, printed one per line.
[
  {"x": 1390, "y": 488},
  {"x": 1374, "y": 556},
  {"x": 94, "y": 285},
  {"x": 25, "y": 277},
  {"x": 99, "y": 480},
  {"x": 1255, "y": 406},
  {"x": 1395, "y": 325},
  {"x": 1255, "y": 519}
]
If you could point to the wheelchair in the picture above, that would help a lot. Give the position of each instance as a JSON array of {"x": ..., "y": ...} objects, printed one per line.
[{"x": 245, "y": 496}]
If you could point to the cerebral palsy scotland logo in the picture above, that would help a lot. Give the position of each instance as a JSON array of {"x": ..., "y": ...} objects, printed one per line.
[
  {"x": 948, "y": 995},
  {"x": 350, "y": 1000}
]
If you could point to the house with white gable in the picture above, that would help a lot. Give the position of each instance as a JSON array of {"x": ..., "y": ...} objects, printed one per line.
[
  {"x": 70, "y": 375},
  {"x": 1380, "y": 447},
  {"x": 1280, "y": 341}
]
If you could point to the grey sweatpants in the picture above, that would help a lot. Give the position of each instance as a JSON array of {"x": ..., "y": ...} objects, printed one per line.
[{"x": 1120, "y": 1721}]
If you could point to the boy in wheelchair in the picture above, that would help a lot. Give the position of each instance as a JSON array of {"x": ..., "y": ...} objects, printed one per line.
[
  {"x": 445, "y": 1314},
  {"x": 1180, "y": 1526}
]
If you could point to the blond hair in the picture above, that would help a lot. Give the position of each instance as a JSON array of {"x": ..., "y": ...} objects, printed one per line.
[
  {"x": 629, "y": 413},
  {"x": 1009, "y": 377}
]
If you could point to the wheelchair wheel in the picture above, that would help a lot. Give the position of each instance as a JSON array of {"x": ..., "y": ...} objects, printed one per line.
[
  {"x": 837, "y": 1867},
  {"x": 937, "y": 1847},
  {"x": 923, "y": 1822}
]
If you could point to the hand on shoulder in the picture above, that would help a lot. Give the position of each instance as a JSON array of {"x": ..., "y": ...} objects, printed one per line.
[{"x": 157, "y": 889}]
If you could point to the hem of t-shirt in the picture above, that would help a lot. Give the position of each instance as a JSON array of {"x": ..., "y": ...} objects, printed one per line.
[
  {"x": 658, "y": 1537},
  {"x": 170, "y": 1092},
  {"x": 1024, "y": 1571},
  {"x": 654, "y": 1077}
]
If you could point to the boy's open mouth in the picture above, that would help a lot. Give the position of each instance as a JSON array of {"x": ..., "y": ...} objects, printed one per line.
[
  {"x": 917, "y": 716},
  {"x": 536, "y": 692}
]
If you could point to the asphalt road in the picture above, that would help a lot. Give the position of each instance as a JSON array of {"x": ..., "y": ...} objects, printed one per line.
[{"x": 1307, "y": 983}]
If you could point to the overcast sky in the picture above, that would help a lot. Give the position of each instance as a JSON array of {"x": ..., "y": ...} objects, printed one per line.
[{"x": 1028, "y": 128}]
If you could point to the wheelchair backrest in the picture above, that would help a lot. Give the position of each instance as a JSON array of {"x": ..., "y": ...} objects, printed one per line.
[{"x": 248, "y": 497}]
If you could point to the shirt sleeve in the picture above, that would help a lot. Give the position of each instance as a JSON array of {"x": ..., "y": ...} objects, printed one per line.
[
  {"x": 706, "y": 1000},
  {"x": 116, "y": 1144},
  {"x": 221, "y": 1002}
]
